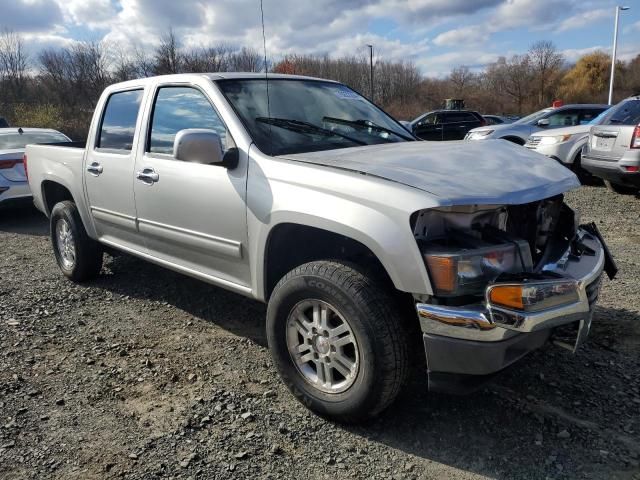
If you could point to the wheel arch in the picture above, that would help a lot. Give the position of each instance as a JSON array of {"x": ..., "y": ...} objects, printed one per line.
[{"x": 289, "y": 244}]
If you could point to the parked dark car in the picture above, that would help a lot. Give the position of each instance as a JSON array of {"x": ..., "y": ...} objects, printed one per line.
[
  {"x": 446, "y": 124},
  {"x": 3, "y": 123}
]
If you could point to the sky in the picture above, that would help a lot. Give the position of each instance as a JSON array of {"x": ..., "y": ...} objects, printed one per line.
[{"x": 436, "y": 35}]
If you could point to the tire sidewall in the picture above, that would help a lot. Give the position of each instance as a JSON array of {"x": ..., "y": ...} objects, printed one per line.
[
  {"x": 314, "y": 286},
  {"x": 67, "y": 211}
]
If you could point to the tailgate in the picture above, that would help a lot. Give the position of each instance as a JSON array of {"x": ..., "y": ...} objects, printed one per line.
[{"x": 610, "y": 142}]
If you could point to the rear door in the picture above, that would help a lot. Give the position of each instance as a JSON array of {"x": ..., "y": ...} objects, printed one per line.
[
  {"x": 457, "y": 124},
  {"x": 109, "y": 169},
  {"x": 611, "y": 139},
  {"x": 191, "y": 215}
]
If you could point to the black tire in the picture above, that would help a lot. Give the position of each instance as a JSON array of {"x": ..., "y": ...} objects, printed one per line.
[
  {"x": 516, "y": 140},
  {"x": 583, "y": 175},
  {"x": 370, "y": 311},
  {"x": 621, "y": 189},
  {"x": 87, "y": 261}
]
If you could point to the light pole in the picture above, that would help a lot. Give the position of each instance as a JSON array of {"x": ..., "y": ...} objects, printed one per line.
[
  {"x": 613, "y": 53},
  {"x": 371, "y": 70}
]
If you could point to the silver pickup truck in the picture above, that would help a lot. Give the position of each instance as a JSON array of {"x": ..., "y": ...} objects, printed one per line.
[{"x": 364, "y": 241}]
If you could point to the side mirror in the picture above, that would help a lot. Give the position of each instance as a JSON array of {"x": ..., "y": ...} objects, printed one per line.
[
  {"x": 543, "y": 122},
  {"x": 198, "y": 145}
]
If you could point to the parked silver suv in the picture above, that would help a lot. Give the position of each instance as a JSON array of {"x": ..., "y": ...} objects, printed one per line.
[
  {"x": 545, "y": 119},
  {"x": 613, "y": 150}
]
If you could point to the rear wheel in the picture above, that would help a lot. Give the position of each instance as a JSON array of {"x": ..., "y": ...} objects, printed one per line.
[
  {"x": 583, "y": 175},
  {"x": 78, "y": 256},
  {"x": 622, "y": 189},
  {"x": 337, "y": 340}
]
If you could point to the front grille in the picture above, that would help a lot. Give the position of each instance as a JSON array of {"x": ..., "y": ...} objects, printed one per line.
[
  {"x": 593, "y": 289},
  {"x": 532, "y": 142}
]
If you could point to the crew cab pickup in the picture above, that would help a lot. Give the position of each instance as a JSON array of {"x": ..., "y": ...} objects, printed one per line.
[{"x": 301, "y": 193}]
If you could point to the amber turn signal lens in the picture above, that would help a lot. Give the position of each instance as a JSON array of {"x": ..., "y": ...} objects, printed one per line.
[
  {"x": 443, "y": 272},
  {"x": 509, "y": 296}
]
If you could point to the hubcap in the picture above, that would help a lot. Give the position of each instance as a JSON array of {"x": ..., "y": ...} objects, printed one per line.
[
  {"x": 66, "y": 245},
  {"x": 322, "y": 346}
]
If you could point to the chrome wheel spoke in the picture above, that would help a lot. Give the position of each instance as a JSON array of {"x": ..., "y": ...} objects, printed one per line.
[
  {"x": 343, "y": 341},
  {"x": 317, "y": 336},
  {"x": 342, "y": 364},
  {"x": 65, "y": 244},
  {"x": 307, "y": 357}
]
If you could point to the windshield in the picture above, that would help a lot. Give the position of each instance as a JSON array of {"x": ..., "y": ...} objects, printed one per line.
[
  {"x": 599, "y": 118},
  {"x": 10, "y": 141},
  {"x": 533, "y": 117},
  {"x": 308, "y": 115}
]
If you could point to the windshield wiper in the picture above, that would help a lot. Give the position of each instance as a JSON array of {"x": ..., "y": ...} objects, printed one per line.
[
  {"x": 299, "y": 126},
  {"x": 365, "y": 124}
]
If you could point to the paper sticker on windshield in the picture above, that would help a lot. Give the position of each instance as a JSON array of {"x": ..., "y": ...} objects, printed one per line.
[{"x": 347, "y": 94}]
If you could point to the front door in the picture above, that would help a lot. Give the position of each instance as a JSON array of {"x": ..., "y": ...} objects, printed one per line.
[
  {"x": 192, "y": 215},
  {"x": 109, "y": 170},
  {"x": 430, "y": 128}
]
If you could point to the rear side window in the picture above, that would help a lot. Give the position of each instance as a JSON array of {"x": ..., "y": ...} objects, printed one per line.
[
  {"x": 119, "y": 120},
  {"x": 457, "y": 117},
  {"x": 179, "y": 108},
  {"x": 626, "y": 112}
]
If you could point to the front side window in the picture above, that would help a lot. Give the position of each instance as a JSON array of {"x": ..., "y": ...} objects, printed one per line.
[
  {"x": 119, "y": 120},
  {"x": 179, "y": 108},
  {"x": 564, "y": 118},
  {"x": 286, "y": 116}
]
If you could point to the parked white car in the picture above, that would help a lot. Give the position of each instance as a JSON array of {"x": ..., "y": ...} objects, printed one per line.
[
  {"x": 564, "y": 145},
  {"x": 13, "y": 179},
  {"x": 543, "y": 120}
]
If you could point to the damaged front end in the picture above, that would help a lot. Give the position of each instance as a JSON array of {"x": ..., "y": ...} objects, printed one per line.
[{"x": 504, "y": 279}]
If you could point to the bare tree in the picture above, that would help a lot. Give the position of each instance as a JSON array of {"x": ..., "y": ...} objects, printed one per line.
[
  {"x": 167, "y": 56},
  {"x": 14, "y": 63},
  {"x": 461, "y": 78},
  {"x": 546, "y": 63}
]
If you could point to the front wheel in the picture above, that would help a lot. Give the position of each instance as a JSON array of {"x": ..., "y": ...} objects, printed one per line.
[
  {"x": 78, "y": 256},
  {"x": 337, "y": 340}
]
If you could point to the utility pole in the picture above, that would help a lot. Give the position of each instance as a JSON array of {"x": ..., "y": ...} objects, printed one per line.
[
  {"x": 613, "y": 53},
  {"x": 371, "y": 70}
]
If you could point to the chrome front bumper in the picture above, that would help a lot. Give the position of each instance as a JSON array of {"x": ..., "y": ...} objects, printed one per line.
[{"x": 487, "y": 323}]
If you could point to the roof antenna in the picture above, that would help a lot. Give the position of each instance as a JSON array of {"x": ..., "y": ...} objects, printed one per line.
[{"x": 266, "y": 76}]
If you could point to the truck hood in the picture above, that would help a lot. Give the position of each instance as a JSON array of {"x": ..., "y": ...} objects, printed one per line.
[{"x": 458, "y": 173}]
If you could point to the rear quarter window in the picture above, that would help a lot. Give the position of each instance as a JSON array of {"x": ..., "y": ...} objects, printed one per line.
[
  {"x": 118, "y": 125},
  {"x": 626, "y": 112}
]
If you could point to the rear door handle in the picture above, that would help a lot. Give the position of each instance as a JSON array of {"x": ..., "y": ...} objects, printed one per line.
[
  {"x": 147, "y": 176},
  {"x": 94, "y": 169}
]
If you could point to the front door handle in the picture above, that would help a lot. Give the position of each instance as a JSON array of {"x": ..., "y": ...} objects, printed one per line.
[
  {"x": 147, "y": 176},
  {"x": 94, "y": 169}
]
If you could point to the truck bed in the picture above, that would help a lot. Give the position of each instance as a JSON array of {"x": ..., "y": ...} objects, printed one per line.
[{"x": 61, "y": 163}]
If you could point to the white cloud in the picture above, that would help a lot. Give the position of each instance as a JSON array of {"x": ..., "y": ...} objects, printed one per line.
[
  {"x": 584, "y": 19},
  {"x": 462, "y": 36},
  {"x": 399, "y": 29}
]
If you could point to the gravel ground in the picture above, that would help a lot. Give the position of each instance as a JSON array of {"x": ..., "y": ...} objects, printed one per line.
[{"x": 144, "y": 373}]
